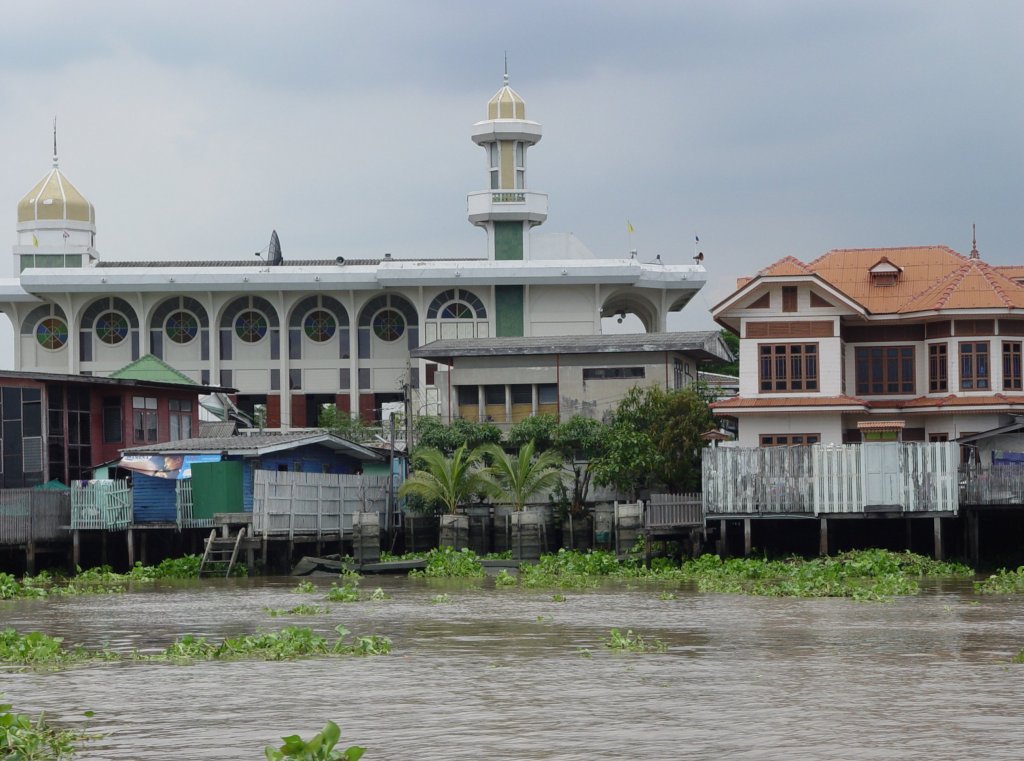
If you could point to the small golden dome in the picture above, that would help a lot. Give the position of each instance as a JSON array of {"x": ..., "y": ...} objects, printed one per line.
[
  {"x": 54, "y": 198},
  {"x": 506, "y": 104}
]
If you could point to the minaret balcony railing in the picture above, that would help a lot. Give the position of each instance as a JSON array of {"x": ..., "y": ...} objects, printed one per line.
[{"x": 507, "y": 205}]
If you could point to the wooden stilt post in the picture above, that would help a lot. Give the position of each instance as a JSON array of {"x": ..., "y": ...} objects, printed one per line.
[
  {"x": 908, "y": 532},
  {"x": 103, "y": 546},
  {"x": 76, "y": 549},
  {"x": 723, "y": 537},
  {"x": 746, "y": 537},
  {"x": 974, "y": 529},
  {"x": 30, "y": 558},
  {"x": 263, "y": 552},
  {"x": 130, "y": 538},
  {"x": 142, "y": 546},
  {"x": 937, "y": 527},
  {"x": 823, "y": 537}
]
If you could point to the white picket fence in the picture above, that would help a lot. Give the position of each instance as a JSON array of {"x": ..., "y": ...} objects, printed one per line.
[
  {"x": 826, "y": 479},
  {"x": 313, "y": 503}
]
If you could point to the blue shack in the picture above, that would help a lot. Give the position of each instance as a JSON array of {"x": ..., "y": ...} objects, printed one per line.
[{"x": 220, "y": 470}]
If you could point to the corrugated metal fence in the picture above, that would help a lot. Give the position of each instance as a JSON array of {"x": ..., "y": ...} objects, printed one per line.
[
  {"x": 313, "y": 503},
  {"x": 823, "y": 479},
  {"x": 674, "y": 510},
  {"x": 33, "y": 515}
]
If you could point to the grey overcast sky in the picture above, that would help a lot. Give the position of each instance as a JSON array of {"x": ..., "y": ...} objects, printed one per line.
[{"x": 766, "y": 128}]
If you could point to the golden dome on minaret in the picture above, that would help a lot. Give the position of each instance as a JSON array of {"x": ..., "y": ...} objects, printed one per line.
[
  {"x": 506, "y": 104},
  {"x": 54, "y": 198}
]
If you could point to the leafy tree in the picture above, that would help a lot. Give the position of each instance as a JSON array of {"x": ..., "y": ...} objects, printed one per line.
[
  {"x": 515, "y": 478},
  {"x": 343, "y": 424},
  {"x": 580, "y": 440},
  {"x": 449, "y": 480},
  {"x": 540, "y": 429},
  {"x": 432, "y": 433},
  {"x": 654, "y": 440},
  {"x": 721, "y": 366}
]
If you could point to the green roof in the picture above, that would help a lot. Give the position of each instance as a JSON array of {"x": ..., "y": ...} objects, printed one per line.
[{"x": 150, "y": 368}]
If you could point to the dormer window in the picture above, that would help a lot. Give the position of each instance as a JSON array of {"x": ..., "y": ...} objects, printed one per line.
[{"x": 884, "y": 273}]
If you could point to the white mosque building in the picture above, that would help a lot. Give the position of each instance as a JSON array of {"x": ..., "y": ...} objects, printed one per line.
[{"x": 292, "y": 335}]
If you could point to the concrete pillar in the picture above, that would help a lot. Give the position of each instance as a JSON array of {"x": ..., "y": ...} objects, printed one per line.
[
  {"x": 823, "y": 537},
  {"x": 130, "y": 538},
  {"x": 76, "y": 549},
  {"x": 937, "y": 528},
  {"x": 746, "y": 537}
]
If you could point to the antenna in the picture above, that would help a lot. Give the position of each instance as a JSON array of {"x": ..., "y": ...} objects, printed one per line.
[
  {"x": 974, "y": 242},
  {"x": 506, "y": 68},
  {"x": 55, "y": 141}
]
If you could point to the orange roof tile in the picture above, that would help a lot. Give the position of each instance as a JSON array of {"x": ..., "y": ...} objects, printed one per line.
[
  {"x": 973, "y": 285},
  {"x": 932, "y": 278},
  {"x": 788, "y": 265}
]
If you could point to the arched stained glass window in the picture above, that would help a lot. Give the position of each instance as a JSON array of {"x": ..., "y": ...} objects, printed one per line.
[
  {"x": 52, "y": 333},
  {"x": 388, "y": 325},
  {"x": 111, "y": 328},
  {"x": 250, "y": 326},
  {"x": 182, "y": 327},
  {"x": 319, "y": 325}
]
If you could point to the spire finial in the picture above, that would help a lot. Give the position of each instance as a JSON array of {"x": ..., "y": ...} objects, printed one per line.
[
  {"x": 54, "y": 142},
  {"x": 506, "y": 68},
  {"x": 974, "y": 242}
]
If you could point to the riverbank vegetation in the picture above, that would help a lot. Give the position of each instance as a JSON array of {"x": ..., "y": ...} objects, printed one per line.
[
  {"x": 101, "y": 579},
  {"x": 860, "y": 575}
]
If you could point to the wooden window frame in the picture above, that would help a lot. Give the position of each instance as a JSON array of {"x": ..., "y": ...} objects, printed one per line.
[
  {"x": 975, "y": 375},
  {"x": 1013, "y": 368},
  {"x": 864, "y": 356},
  {"x": 788, "y": 439},
  {"x": 787, "y": 368},
  {"x": 938, "y": 368}
]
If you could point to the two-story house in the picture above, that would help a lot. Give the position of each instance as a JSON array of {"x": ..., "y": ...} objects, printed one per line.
[{"x": 909, "y": 344}]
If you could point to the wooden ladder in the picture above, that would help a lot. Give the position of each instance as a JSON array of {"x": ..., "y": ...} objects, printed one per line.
[{"x": 220, "y": 550}]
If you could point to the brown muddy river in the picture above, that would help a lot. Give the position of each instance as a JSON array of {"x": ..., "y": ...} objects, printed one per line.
[{"x": 497, "y": 674}]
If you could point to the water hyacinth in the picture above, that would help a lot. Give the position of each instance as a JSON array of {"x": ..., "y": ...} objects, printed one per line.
[{"x": 445, "y": 562}]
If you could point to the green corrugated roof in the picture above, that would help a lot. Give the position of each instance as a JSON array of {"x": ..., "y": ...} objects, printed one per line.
[{"x": 150, "y": 368}]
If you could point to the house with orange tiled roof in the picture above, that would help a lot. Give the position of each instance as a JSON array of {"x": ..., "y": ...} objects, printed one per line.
[{"x": 914, "y": 344}]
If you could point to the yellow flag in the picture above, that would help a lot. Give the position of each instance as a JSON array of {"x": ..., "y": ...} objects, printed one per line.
[
  {"x": 629, "y": 227},
  {"x": 35, "y": 240}
]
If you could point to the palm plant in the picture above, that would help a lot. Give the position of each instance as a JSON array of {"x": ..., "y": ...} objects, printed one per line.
[
  {"x": 514, "y": 479},
  {"x": 448, "y": 480}
]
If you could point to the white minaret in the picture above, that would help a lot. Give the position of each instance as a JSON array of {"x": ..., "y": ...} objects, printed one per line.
[
  {"x": 56, "y": 224},
  {"x": 508, "y": 210}
]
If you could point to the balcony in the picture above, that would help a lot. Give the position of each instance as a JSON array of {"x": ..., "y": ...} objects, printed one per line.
[{"x": 507, "y": 206}]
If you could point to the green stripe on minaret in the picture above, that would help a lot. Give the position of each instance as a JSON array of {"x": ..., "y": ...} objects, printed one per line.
[
  {"x": 508, "y": 310},
  {"x": 508, "y": 240}
]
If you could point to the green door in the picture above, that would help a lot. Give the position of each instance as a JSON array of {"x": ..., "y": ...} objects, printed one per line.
[{"x": 216, "y": 488}]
